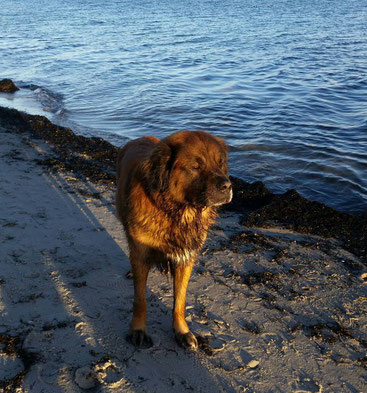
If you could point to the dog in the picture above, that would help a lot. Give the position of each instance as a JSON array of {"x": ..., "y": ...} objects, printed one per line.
[{"x": 167, "y": 196}]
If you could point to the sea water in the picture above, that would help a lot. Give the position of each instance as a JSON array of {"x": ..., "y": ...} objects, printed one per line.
[{"x": 283, "y": 82}]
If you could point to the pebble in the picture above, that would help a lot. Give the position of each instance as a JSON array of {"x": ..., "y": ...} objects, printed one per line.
[
  {"x": 85, "y": 378},
  {"x": 364, "y": 277},
  {"x": 253, "y": 364}
]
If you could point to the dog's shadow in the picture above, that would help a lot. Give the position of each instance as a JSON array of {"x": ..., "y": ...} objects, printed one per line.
[{"x": 81, "y": 317}]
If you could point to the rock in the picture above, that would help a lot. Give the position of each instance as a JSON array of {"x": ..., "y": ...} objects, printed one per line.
[
  {"x": 85, "y": 378},
  {"x": 7, "y": 86}
]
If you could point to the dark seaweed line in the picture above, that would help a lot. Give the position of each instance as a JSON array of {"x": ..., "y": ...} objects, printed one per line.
[{"x": 94, "y": 158}]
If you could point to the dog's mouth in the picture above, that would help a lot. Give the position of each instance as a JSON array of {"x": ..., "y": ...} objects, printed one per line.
[
  {"x": 215, "y": 192},
  {"x": 221, "y": 198}
]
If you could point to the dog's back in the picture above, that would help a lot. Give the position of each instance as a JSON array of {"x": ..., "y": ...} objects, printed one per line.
[{"x": 133, "y": 152}]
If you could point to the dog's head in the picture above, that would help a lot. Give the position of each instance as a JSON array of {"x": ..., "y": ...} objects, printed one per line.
[{"x": 191, "y": 167}]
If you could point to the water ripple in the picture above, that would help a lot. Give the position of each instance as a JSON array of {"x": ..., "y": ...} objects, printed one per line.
[{"x": 284, "y": 85}]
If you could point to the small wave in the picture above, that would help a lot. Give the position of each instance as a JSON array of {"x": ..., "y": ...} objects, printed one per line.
[
  {"x": 38, "y": 100},
  {"x": 50, "y": 101}
]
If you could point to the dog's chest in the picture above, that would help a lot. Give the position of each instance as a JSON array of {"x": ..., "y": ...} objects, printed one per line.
[
  {"x": 181, "y": 239},
  {"x": 182, "y": 256},
  {"x": 178, "y": 238}
]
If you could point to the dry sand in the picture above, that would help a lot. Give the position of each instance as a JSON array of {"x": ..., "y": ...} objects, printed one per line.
[{"x": 276, "y": 311}]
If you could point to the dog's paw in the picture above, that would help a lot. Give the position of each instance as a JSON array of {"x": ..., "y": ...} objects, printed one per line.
[
  {"x": 139, "y": 339},
  {"x": 187, "y": 340}
]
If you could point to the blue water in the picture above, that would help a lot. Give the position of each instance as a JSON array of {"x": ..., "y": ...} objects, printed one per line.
[{"x": 283, "y": 82}]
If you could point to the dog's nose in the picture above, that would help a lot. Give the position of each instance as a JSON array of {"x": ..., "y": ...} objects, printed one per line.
[{"x": 224, "y": 184}]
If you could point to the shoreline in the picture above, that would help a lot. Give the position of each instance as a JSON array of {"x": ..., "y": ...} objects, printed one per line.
[
  {"x": 272, "y": 307},
  {"x": 94, "y": 158}
]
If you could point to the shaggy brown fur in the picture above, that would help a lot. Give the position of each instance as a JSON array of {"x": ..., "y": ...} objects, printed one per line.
[{"x": 166, "y": 199}]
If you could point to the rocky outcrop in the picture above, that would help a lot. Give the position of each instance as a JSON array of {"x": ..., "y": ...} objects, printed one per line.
[{"x": 7, "y": 86}]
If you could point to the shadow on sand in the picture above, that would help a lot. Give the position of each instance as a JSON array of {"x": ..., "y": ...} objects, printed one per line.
[{"x": 65, "y": 301}]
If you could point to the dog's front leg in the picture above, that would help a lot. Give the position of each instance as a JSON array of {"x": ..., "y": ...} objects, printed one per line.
[
  {"x": 182, "y": 333},
  {"x": 137, "y": 335}
]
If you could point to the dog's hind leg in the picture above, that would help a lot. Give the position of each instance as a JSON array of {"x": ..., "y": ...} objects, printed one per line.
[{"x": 181, "y": 276}]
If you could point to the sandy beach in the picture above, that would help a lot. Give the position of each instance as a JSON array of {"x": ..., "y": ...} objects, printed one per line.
[{"x": 275, "y": 309}]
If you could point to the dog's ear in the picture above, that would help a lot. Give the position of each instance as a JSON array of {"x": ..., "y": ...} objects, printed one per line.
[{"x": 158, "y": 167}]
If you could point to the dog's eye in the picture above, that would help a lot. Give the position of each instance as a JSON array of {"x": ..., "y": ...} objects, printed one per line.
[{"x": 197, "y": 164}]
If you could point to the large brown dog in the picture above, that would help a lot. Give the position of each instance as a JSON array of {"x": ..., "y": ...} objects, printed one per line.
[{"x": 166, "y": 199}]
